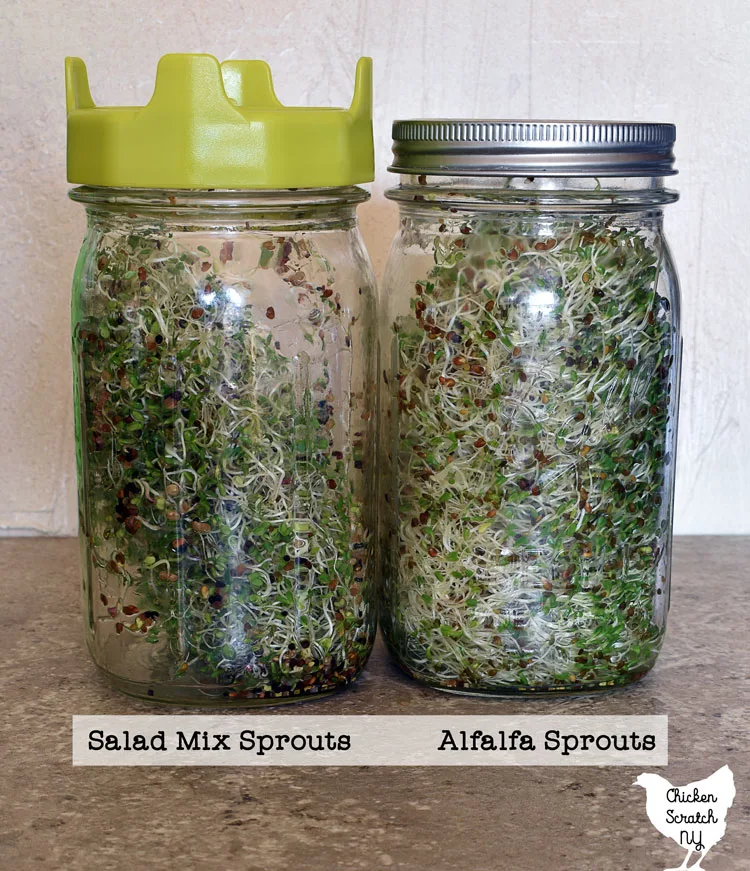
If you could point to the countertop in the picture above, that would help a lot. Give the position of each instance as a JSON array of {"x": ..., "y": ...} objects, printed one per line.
[{"x": 54, "y": 816}]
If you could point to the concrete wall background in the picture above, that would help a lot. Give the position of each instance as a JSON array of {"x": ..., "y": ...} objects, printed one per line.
[{"x": 674, "y": 60}]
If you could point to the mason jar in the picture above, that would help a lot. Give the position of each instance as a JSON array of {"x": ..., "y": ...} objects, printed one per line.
[
  {"x": 530, "y": 382},
  {"x": 224, "y": 349}
]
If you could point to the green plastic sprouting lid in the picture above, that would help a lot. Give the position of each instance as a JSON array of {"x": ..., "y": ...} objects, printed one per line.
[{"x": 220, "y": 126}]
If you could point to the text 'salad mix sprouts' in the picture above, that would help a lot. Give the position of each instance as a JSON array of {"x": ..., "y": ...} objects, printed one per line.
[
  {"x": 223, "y": 446},
  {"x": 530, "y": 395}
]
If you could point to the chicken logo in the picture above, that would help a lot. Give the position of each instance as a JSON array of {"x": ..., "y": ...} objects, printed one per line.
[{"x": 694, "y": 816}]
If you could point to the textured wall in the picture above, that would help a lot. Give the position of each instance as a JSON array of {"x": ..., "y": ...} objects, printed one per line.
[{"x": 672, "y": 60}]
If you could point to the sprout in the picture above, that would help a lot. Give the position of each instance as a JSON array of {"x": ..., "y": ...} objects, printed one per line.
[
  {"x": 532, "y": 516},
  {"x": 208, "y": 444}
]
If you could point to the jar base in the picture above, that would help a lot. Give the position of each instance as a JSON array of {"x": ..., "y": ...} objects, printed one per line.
[
  {"x": 518, "y": 690},
  {"x": 207, "y": 696}
]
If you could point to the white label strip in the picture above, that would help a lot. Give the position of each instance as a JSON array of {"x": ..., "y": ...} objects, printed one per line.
[{"x": 369, "y": 740}]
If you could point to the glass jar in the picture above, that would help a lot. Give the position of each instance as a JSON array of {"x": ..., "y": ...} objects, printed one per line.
[
  {"x": 224, "y": 348},
  {"x": 224, "y": 356},
  {"x": 531, "y": 377}
]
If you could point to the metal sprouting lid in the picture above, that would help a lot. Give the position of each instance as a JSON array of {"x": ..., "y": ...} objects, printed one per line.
[{"x": 553, "y": 148}]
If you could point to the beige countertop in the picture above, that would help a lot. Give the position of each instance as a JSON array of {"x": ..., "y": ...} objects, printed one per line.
[{"x": 54, "y": 816}]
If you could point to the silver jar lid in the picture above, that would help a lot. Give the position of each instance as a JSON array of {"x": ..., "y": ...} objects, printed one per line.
[{"x": 529, "y": 148}]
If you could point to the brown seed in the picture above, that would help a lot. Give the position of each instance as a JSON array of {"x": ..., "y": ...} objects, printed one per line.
[
  {"x": 491, "y": 513},
  {"x": 490, "y": 305},
  {"x": 331, "y": 484},
  {"x": 270, "y": 313},
  {"x": 141, "y": 273},
  {"x": 332, "y": 584},
  {"x": 480, "y": 443},
  {"x": 172, "y": 489},
  {"x": 118, "y": 628},
  {"x": 242, "y": 569},
  {"x": 477, "y": 369},
  {"x": 432, "y": 552},
  {"x": 132, "y": 524},
  {"x": 130, "y": 610},
  {"x": 196, "y": 313},
  {"x": 512, "y": 254},
  {"x": 516, "y": 351},
  {"x": 201, "y": 527},
  {"x": 172, "y": 515}
]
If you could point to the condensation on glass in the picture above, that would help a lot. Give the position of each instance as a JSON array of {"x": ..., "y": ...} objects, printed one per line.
[
  {"x": 530, "y": 378},
  {"x": 224, "y": 353}
]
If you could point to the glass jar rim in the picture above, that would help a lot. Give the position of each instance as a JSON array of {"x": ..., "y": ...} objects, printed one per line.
[
  {"x": 192, "y": 200},
  {"x": 569, "y": 193}
]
